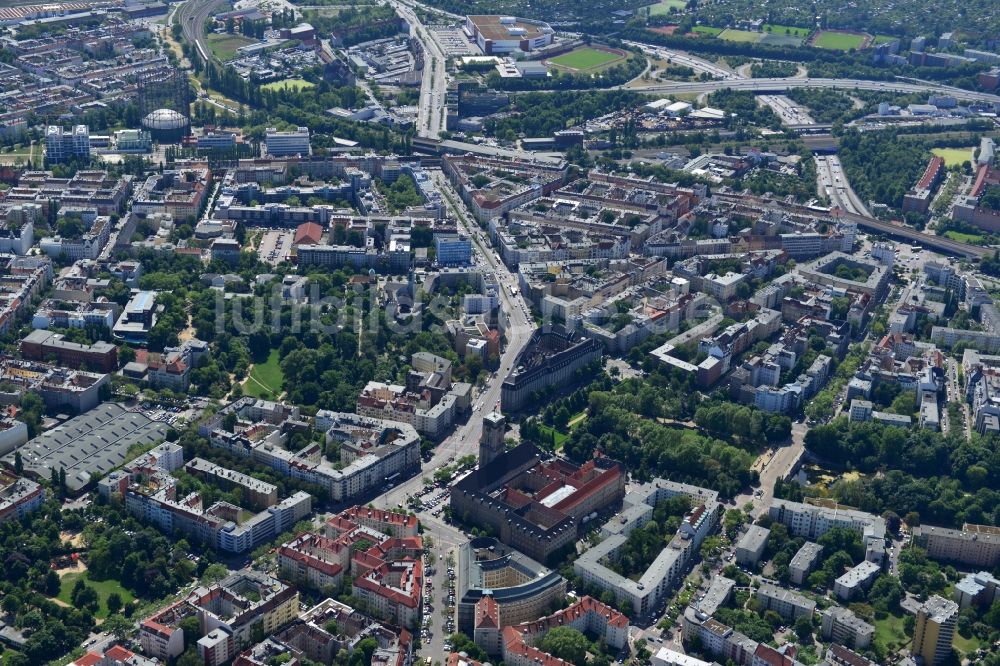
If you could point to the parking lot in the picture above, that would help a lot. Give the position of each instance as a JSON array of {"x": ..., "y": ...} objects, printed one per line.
[
  {"x": 453, "y": 41},
  {"x": 275, "y": 246}
]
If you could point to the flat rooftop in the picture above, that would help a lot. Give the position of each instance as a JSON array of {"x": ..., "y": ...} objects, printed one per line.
[
  {"x": 95, "y": 442},
  {"x": 502, "y": 28}
]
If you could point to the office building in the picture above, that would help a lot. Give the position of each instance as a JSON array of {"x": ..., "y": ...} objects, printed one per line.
[
  {"x": 286, "y": 144},
  {"x": 550, "y": 358},
  {"x": 518, "y": 588},
  {"x": 137, "y": 318},
  {"x": 452, "y": 250},
  {"x": 41, "y": 345},
  {"x": 934, "y": 630},
  {"x": 508, "y": 34},
  {"x": 534, "y": 506}
]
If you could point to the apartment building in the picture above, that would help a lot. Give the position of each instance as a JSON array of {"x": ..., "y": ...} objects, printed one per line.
[
  {"x": 322, "y": 560},
  {"x": 934, "y": 630},
  {"x": 803, "y": 562},
  {"x": 855, "y": 581},
  {"x": 812, "y": 521},
  {"x": 751, "y": 546},
  {"x": 843, "y": 627},
  {"x": 786, "y": 603},
  {"x": 588, "y": 615},
  {"x": 643, "y": 595},
  {"x": 64, "y": 146},
  {"x": 150, "y": 493},
  {"x": 18, "y": 497},
  {"x": 234, "y": 609},
  {"x": 973, "y": 545},
  {"x": 979, "y": 589}
]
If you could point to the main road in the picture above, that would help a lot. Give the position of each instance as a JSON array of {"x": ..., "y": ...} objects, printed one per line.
[
  {"x": 779, "y": 85},
  {"x": 431, "y": 113},
  {"x": 465, "y": 439},
  {"x": 833, "y": 181}
]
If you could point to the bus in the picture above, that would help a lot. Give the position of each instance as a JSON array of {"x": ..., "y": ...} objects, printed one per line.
[{"x": 513, "y": 290}]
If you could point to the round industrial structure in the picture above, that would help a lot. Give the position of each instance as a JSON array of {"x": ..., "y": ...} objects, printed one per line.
[{"x": 167, "y": 125}]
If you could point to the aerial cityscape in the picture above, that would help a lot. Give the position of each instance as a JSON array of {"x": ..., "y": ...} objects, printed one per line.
[{"x": 499, "y": 333}]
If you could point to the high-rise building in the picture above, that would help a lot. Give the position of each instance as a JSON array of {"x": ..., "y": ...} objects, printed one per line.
[
  {"x": 934, "y": 630},
  {"x": 63, "y": 146},
  {"x": 491, "y": 442}
]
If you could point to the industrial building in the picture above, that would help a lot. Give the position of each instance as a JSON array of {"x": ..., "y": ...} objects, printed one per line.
[{"x": 91, "y": 444}]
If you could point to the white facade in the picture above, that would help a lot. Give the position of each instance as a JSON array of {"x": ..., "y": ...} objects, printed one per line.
[{"x": 284, "y": 144}]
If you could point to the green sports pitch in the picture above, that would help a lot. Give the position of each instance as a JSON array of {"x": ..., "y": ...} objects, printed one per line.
[
  {"x": 839, "y": 41},
  {"x": 584, "y": 59}
]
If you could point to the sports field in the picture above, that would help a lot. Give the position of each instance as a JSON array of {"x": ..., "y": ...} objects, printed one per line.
[
  {"x": 224, "y": 46},
  {"x": 731, "y": 35},
  {"x": 791, "y": 30},
  {"x": 291, "y": 84},
  {"x": 839, "y": 41},
  {"x": 706, "y": 30},
  {"x": 586, "y": 59},
  {"x": 954, "y": 156},
  {"x": 882, "y": 39},
  {"x": 664, "y": 7}
]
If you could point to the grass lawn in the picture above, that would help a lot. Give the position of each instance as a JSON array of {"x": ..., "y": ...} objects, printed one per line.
[
  {"x": 224, "y": 45},
  {"x": 966, "y": 645},
  {"x": 954, "y": 156},
  {"x": 731, "y": 35},
  {"x": 706, "y": 30},
  {"x": 882, "y": 39},
  {"x": 786, "y": 30},
  {"x": 265, "y": 378},
  {"x": 889, "y": 632},
  {"x": 104, "y": 588},
  {"x": 963, "y": 237},
  {"x": 664, "y": 7},
  {"x": 547, "y": 433},
  {"x": 839, "y": 41},
  {"x": 585, "y": 58},
  {"x": 291, "y": 84}
]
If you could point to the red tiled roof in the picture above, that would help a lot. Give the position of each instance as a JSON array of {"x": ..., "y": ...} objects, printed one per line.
[
  {"x": 89, "y": 659},
  {"x": 119, "y": 653},
  {"x": 308, "y": 233},
  {"x": 931, "y": 172}
]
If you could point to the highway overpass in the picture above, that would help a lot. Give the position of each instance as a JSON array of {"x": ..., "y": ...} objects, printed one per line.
[{"x": 940, "y": 243}]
